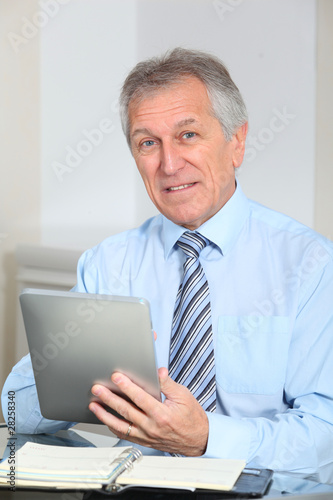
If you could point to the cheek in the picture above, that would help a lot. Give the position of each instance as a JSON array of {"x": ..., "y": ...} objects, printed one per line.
[
  {"x": 146, "y": 170},
  {"x": 197, "y": 156},
  {"x": 222, "y": 165},
  {"x": 148, "y": 174}
]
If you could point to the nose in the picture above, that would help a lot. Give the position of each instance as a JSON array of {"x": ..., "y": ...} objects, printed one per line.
[{"x": 171, "y": 158}]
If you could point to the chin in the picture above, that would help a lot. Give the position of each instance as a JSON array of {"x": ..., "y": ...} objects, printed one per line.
[
  {"x": 190, "y": 220},
  {"x": 191, "y": 225}
]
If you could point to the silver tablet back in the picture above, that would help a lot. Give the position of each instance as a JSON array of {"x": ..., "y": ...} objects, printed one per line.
[{"x": 78, "y": 339}]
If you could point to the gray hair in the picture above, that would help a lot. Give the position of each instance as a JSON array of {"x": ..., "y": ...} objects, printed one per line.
[{"x": 157, "y": 73}]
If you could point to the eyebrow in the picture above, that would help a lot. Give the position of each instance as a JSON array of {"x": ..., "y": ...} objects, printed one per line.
[
  {"x": 187, "y": 121},
  {"x": 182, "y": 123},
  {"x": 145, "y": 131}
]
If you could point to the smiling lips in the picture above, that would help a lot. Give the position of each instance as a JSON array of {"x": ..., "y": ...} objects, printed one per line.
[{"x": 183, "y": 186}]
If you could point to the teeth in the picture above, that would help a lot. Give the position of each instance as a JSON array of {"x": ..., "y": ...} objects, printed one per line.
[{"x": 180, "y": 187}]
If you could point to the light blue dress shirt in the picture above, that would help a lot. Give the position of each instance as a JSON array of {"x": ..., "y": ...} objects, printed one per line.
[{"x": 271, "y": 285}]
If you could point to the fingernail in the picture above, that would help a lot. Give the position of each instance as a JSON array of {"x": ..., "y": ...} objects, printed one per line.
[
  {"x": 96, "y": 391},
  {"x": 92, "y": 407},
  {"x": 116, "y": 379}
]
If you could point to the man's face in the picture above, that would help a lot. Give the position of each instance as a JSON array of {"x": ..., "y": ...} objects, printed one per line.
[{"x": 181, "y": 153}]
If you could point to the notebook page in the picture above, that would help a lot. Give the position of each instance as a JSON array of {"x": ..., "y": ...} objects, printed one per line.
[
  {"x": 38, "y": 461},
  {"x": 210, "y": 473}
]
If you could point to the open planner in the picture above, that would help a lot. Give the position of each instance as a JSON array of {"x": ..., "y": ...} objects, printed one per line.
[{"x": 111, "y": 469}]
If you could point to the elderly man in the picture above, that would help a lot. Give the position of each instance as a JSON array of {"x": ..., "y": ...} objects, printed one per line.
[{"x": 241, "y": 296}]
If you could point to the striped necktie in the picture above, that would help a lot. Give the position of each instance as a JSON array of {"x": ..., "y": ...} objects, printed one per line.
[{"x": 191, "y": 361}]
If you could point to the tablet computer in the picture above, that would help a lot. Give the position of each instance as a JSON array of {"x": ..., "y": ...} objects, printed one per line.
[{"x": 78, "y": 339}]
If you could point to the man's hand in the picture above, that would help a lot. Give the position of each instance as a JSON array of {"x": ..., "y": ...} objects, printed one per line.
[{"x": 178, "y": 425}]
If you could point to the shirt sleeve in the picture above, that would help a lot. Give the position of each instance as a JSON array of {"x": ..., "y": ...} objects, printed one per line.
[{"x": 299, "y": 440}]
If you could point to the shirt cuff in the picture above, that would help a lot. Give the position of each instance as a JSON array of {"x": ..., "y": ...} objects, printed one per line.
[{"x": 228, "y": 437}]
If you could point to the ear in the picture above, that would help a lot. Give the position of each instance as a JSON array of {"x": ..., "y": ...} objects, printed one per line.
[{"x": 239, "y": 139}]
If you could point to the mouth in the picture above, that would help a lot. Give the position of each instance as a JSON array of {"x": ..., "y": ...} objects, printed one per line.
[{"x": 180, "y": 188}]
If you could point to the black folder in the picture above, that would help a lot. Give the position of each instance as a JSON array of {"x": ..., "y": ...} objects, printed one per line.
[{"x": 252, "y": 483}]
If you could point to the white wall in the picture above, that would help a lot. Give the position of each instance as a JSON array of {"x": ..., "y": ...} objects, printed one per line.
[
  {"x": 324, "y": 114},
  {"x": 84, "y": 58},
  {"x": 88, "y": 182}
]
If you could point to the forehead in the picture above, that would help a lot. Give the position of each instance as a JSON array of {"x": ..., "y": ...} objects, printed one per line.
[{"x": 179, "y": 103}]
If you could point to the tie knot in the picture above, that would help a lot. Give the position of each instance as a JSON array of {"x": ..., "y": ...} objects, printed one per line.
[{"x": 192, "y": 244}]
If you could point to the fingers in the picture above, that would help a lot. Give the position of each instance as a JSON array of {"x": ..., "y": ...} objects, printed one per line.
[
  {"x": 138, "y": 396},
  {"x": 124, "y": 408},
  {"x": 135, "y": 410},
  {"x": 179, "y": 424},
  {"x": 117, "y": 426},
  {"x": 122, "y": 428}
]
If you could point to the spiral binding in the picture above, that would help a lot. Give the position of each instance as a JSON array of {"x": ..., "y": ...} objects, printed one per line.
[{"x": 125, "y": 462}]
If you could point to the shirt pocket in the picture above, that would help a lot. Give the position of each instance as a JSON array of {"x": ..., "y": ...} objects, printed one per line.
[{"x": 251, "y": 353}]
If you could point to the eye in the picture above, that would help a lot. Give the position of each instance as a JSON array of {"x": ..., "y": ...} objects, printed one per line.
[
  {"x": 189, "y": 135},
  {"x": 148, "y": 143}
]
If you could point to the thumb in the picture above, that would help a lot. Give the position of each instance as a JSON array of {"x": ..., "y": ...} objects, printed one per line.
[{"x": 168, "y": 386}]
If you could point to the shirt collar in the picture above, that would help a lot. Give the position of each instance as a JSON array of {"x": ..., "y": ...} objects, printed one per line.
[{"x": 222, "y": 229}]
